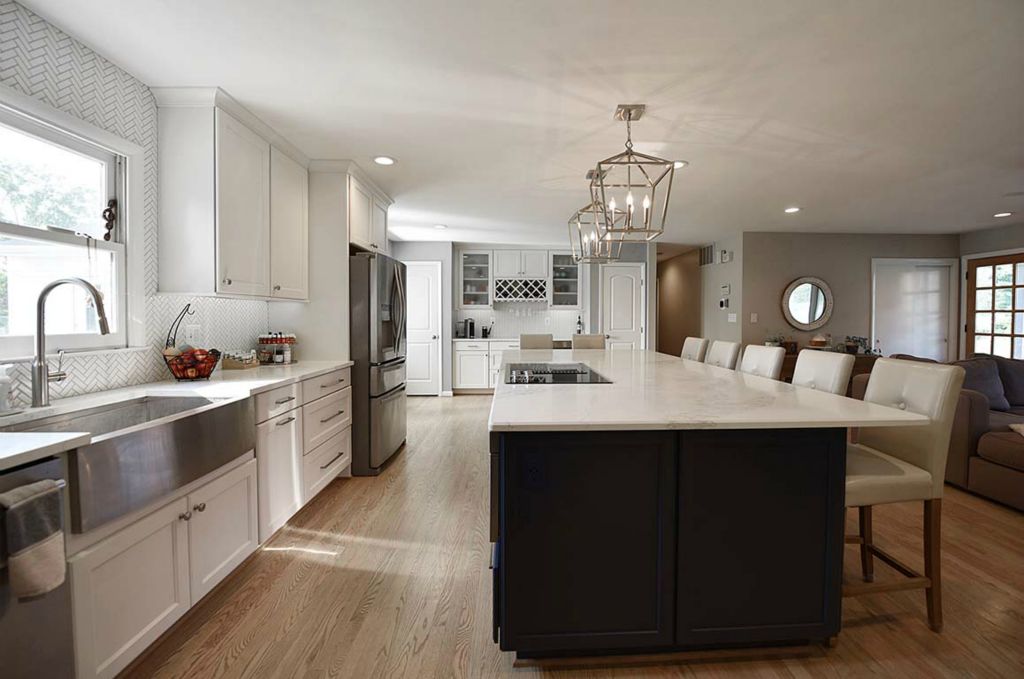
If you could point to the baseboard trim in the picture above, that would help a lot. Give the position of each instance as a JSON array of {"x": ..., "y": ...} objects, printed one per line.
[{"x": 447, "y": 393}]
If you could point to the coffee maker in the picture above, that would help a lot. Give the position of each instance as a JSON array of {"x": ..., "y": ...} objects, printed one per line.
[{"x": 470, "y": 328}]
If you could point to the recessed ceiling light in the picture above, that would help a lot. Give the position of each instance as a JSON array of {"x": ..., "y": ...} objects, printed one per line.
[
  {"x": 440, "y": 226},
  {"x": 1002, "y": 214},
  {"x": 679, "y": 164},
  {"x": 793, "y": 209},
  {"x": 384, "y": 160}
]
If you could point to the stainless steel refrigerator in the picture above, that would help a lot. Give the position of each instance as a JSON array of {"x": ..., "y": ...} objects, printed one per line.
[{"x": 377, "y": 335}]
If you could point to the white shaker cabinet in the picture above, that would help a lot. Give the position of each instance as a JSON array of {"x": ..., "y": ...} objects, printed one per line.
[
  {"x": 520, "y": 264},
  {"x": 222, "y": 530},
  {"x": 472, "y": 369},
  {"x": 279, "y": 456},
  {"x": 380, "y": 226},
  {"x": 233, "y": 200},
  {"x": 360, "y": 214},
  {"x": 243, "y": 209},
  {"x": 289, "y": 227},
  {"x": 129, "y": 589}
]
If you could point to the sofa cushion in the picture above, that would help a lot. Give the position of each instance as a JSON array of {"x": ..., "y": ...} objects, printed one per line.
[
  {"x": 1003, "y": 447},
  {"x": 983, "y": 375}
]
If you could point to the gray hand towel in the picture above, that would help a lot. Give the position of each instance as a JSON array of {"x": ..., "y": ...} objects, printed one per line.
[{"x": 33, "y": 538}]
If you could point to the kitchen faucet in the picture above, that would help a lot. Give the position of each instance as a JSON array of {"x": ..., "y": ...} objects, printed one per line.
[{"x": 41, "y": 375}]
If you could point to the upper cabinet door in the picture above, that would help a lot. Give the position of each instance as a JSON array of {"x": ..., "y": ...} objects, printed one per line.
[
  {"x": 534, "y": 263},
  {"x": 289, "y": 228},
  {"x": 379, "y": 241},
  {"x": 508, "y": 264},
  {"x": 360, "y": 214},
  {"x": 243, "y": 209}
]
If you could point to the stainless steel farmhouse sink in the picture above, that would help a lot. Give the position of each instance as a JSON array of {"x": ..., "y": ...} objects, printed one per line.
[{"x": 144, "y": 449}]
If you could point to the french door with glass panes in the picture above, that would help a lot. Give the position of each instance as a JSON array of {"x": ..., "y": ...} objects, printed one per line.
[{"x": 995, "y": 306}]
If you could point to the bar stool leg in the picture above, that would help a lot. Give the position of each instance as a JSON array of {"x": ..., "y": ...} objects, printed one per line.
[
  {"x": 933, "y": 561},
  {"x": 867, "y": 564}
]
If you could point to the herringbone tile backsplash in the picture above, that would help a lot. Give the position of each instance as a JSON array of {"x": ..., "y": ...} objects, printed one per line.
[{"x": 42, "y": 61}]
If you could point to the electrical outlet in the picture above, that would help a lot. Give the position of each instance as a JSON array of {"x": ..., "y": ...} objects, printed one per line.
[
  {"x": 753, "y": 318},
  {"x": 192, "y": 334}
]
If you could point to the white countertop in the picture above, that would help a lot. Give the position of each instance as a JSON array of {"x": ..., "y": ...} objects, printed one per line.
[
  {"x": 657, "y": 391},
  {"x": 17, "y": 448}
]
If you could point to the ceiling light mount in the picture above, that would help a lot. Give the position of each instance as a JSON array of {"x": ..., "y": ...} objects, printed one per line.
[
  {"x": 792, "y": 209},
  {"x": 384, "y": 160},
  {"x": 630, "y": 112},
  {"x": 1000, "y": 215}
]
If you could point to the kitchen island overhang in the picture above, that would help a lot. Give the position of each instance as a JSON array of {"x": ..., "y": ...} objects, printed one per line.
[{"x": 682, "y": 506}]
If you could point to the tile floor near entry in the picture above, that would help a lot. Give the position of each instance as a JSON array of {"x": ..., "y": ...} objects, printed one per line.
[{"x": 388, "y": 577}]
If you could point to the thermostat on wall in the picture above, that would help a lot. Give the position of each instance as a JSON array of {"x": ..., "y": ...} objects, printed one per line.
[{"x": 725, "y": 257}]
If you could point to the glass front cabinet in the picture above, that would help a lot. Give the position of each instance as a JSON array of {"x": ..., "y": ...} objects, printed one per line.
[
  {"x": 475, "y": 278},
  {"x": 565, "y": 281}
]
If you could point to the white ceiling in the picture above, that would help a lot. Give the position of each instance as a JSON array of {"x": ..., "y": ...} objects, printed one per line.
[{"x": 876, "y": 116}]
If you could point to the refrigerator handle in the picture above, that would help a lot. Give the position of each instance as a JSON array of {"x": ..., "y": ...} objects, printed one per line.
[{"x": 405, "y": 311}]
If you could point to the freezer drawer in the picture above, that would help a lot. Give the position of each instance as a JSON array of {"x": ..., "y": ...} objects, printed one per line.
[
  {"x": 387, "y": 425},
  {"x": 385, "y": 378}
]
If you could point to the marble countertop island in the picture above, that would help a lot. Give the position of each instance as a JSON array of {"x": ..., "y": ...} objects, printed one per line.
[{"x": 652, "y": 391}]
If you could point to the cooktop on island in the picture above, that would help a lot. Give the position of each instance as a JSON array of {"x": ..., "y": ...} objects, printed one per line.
[{"x": 552, "y": 373}]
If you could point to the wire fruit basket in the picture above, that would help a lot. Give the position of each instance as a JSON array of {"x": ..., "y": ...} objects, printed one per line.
[
  {"x": 188, "y": 364},
  {"x": 193, "y": 364}
]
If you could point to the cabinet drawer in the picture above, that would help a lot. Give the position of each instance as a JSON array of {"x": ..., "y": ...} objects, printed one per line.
[
  {"x": 325, "y": 384},
  {"x": 326, "y": 462},
  {"x": 503, "y": 346},
  {"x": 471, "y": 346},
  {"x": 276, "y": 401},
  {"x": 325, "y": 417}
]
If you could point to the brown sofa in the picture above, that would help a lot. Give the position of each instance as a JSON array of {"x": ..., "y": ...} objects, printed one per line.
[{"x": 985, "y": 456}]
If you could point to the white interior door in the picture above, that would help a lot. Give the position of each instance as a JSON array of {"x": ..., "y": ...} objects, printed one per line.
[
  {"x": 911, "y": 301},
  {"x": 622, "y": 305},
  {"x": 423, "y": 344}
]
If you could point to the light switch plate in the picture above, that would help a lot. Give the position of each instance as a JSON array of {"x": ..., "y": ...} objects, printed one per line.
[
  {"x": 753, "y": 318},
  {"x": 192, "y": 334},
  {"x": 732, "y": 318}
]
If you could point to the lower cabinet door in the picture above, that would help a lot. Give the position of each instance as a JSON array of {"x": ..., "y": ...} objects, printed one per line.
[
  {"x": 587, "y": 556},
  {"x": 129, "y": 589},
  {"x": 279, "y": 462},
  {"x": 222, "y": 529},
  {"x": 472, "y": 370}
]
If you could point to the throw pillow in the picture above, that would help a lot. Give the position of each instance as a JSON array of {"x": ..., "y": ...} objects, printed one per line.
[{"x": 982, "y": 374}]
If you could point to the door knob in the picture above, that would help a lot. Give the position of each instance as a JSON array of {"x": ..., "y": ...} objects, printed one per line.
[{"x": 227, "y": 281}]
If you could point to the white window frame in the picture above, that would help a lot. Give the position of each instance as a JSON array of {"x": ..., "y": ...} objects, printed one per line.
[{"x": 42, "y": 120}]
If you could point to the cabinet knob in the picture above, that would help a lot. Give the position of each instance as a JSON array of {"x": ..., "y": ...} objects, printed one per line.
[
  {"x": 185, "y": 517},
  {"x": 434, "y": 337},
  {"x": 201, "y": 507},
  {"x": 277, "y": 287},
  {"x": 227, "y": 281}
]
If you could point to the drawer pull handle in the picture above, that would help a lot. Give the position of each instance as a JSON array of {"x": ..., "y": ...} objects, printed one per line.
[
  {"x": 333, "y": 460},
  {"x": 282, "y": 401},
  {"x": 285, "y": 421},
  {"x": 340, "y": 380},
  {"x": 331, "y": 417}
]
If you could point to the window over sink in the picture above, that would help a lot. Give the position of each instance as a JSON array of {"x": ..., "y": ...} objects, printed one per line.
[{"x": 54, "y": 189}]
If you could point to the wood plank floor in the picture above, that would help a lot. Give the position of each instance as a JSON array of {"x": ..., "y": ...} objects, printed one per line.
[{"x": 387, "y": 577}]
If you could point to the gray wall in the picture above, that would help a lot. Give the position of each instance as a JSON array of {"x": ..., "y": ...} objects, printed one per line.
[
  {"x": 715, "y": 321},
  {"x": 420, "y": 251},
  {"x": 1009, "y": 237},
  {"x": 772, "y": 260}
]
